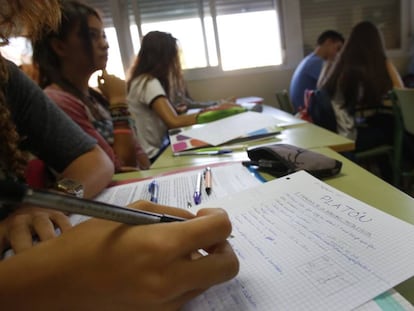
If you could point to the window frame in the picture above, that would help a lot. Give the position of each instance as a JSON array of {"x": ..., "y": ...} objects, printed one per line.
[
  {"x": 120, "y": 22},
  {"x": 290, "y": 25}
]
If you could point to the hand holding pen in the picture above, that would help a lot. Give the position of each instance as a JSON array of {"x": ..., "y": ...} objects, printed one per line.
[
  {"x": 15, "y": 193},
  {"x": 133, "y": 250}
]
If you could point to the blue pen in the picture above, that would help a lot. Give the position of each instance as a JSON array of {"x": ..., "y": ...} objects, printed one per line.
[
  {"x": 153, "y": 188},
  {"x": 197, "y": 192}
]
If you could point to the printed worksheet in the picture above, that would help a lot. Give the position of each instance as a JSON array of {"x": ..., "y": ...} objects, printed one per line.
[
  {"x": 178, "y": 189},
  {"x": 304, "y": 245}
]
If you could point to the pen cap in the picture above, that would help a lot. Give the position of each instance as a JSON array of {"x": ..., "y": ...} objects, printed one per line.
[{"x": 12, "y": 192}]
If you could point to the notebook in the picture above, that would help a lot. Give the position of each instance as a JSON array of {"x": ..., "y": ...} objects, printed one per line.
[{"x": 241, "y": 127}]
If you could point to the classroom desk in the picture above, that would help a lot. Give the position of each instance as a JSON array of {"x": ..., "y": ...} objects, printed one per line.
[
  {"x": 305, "y": 135},
  {"x": 353, "y": 180},
  {"x": 286, "y": 119}
]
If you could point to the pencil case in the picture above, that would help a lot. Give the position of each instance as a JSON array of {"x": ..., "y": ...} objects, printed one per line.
[
  {"x": 282, "y": 159},
  {"x": 214, "y": 115}
]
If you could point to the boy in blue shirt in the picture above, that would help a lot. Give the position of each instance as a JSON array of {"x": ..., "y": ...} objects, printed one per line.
[{"x": 307, "y": 73}]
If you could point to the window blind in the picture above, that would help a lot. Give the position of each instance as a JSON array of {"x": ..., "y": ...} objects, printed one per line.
[
  {"x": 242, "y": 6},
  {"x": 320, "y": 15},
  {"x": 162, "y": 10}
]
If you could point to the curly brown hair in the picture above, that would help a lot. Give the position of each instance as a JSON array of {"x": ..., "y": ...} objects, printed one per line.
[{"x": 28, "y": 18}]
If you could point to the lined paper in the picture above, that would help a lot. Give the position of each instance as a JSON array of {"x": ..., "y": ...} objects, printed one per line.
[{"x": 303, "y": 245}]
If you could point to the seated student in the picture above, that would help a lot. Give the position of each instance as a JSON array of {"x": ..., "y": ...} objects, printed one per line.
[
  {"x": 361, "y": 77},
  {"x": 31, "y": 123},
  {"x": 152, "y": 267},
  {"x": 155, "y": 81},
  {"x": 66, "y": 60},
  {"x": 308, "y": 72}
]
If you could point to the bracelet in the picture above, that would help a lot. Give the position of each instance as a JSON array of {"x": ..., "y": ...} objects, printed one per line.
[
  {"x": 122, "y": 131},
  {"x": 118, "y": 104},
  {"x": 123, "y": 125}
]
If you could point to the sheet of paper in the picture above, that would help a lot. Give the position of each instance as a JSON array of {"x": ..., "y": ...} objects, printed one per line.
[
  {"x": 286, "y": 121},
  {"x": 177, "y": 190},
  {"x": 303, "y": 245},
  {"x": 224, "y": 130}
]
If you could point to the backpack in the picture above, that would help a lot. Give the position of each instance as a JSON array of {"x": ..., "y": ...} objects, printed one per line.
[{"x": 318, "y": 109}]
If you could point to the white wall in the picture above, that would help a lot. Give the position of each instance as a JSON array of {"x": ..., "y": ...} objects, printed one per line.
[{"x": 263, "y": 84}]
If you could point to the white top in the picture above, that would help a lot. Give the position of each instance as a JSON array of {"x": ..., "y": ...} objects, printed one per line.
[
  {"x": 150, "y": 128},
  {"x": 345, "y": 123}
]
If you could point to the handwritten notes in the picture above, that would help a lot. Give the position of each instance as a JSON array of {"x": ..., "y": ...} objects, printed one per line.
[{"x": 303, "y": 245}]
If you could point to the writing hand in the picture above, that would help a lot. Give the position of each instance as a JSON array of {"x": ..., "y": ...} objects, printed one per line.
[
  {"x": 152, "y": 267},
  {"x": 18, "y": 229}
]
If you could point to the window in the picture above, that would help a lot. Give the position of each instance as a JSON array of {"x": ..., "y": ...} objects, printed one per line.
[
  {"x": 190, "y": 34},
  {"x": 253, "y": 45},
  {"x": 206, "y": 30},
  {"x": 225, "y": 35}
]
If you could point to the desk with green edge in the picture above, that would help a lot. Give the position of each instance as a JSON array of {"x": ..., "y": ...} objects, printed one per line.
[
  {"x": 353, "y": 180},
  {"x": 305, "y": 135}
]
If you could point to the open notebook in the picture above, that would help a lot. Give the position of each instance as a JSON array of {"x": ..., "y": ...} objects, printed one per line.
[
  {"x": 302, "y": 244},
  {"x": 241, "y": 127}
]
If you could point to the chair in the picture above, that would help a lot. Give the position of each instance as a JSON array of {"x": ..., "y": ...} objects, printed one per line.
[
  {"x": 370, "y": 158},
  {"x": 284, "y": 102},
  {"x": 403, "y": 109}
]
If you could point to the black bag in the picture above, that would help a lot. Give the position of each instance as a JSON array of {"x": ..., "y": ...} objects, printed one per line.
[
  {"x": 282, "y": 159},
  {"x": 320, "y": 109}
]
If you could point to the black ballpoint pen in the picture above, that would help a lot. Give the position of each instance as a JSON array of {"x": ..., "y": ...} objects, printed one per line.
[{"x": 16, "y": 193}]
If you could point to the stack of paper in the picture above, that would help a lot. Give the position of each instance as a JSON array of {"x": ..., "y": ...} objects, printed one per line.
[{"x": 240, "y": 127}]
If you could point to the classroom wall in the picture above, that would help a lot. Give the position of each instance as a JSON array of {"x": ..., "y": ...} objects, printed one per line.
[{"x": 263, "y": 84}]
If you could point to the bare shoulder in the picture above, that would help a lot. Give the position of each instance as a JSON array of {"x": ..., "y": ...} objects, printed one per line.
[{"x": 394, "y": 74}]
